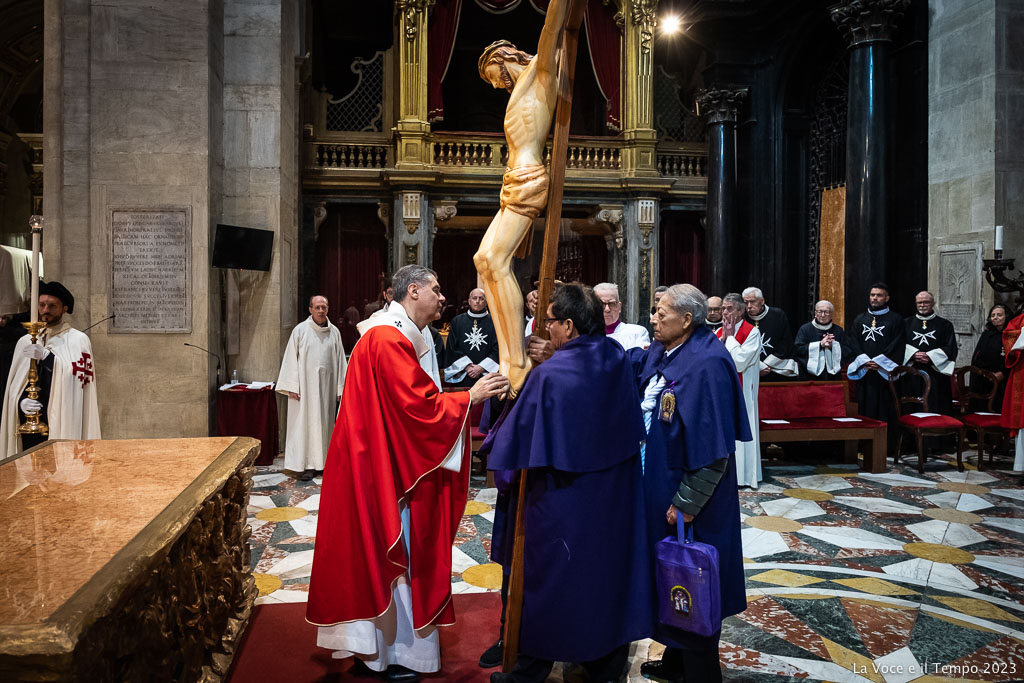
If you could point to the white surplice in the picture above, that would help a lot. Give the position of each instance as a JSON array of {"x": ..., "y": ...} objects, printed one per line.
[
  {"x": 747, "y": 357},
  {"x": 314, "y": 368}
]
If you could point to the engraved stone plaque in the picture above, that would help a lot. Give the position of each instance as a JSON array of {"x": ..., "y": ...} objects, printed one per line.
[
  {"x": 151, "y": 269},
  {"x": 959, "y": 294}
]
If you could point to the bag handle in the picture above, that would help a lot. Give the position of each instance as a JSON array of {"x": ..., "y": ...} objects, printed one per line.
[{"x": 684, "y": 531}]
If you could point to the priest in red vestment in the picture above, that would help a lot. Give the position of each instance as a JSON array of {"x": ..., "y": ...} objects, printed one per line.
[
  {"x": 1013, "y": 399},
  {"x": 394, "y": 490}
]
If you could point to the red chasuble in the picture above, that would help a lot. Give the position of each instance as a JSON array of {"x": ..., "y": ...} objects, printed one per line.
[
  {"x": 393, "y": 432},
  {"x": 1013, "y": 399}
]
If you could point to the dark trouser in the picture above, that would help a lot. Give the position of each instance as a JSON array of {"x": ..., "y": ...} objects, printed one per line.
[
  {"x": 611, "y": 667},
  {"x": 697, "y": 664}
]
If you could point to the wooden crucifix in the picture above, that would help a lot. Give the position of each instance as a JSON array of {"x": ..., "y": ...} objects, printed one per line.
[{"x": 540, "y": 88}]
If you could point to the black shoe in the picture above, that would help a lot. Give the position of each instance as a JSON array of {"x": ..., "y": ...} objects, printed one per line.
[
  {"x": 400, "y": 674},
  {"x": 492, "y": 656},
  {"x": 307, "y": 475},
  {"x": 359, "y": 668},
  {"x": 661, "y": 672}
]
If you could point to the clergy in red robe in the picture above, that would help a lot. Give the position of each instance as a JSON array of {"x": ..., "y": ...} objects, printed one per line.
[
  {"x": 394, "y": 490},
  {"x": 1013, "y": 399}
]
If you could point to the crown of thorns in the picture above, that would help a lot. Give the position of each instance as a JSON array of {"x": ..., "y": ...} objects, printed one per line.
[{"x": 503, "y": 49}]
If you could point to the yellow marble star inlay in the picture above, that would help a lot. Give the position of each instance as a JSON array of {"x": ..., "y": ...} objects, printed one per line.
[
  {"x": 951, "y": 515},
  {"x": 484, "y": 576},
  {"x": 808, "y": 494},
  {"x": 771, "y": 523},
  {"x": 267, "y": 583},
  {"x": 875, "y": 586},
  {"x": 784, "y": 577},
  {"x": 283, "y": 514},
  {"x": 961, "y": 487},
  {"x": 939, "y": 553},
  {"x": 880, "y": 603},
  {"x": 835, "y": 472},
  {"x": 852, "y": 661},
  {"x": 978, "y": 608},
  {"x": 475, "y": 507}
]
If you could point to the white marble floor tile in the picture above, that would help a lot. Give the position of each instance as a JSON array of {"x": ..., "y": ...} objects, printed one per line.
[
  {"x": 918, "y": 569},
  {"x": 791, "y": 508},
  {"x": 461, "y": 561},
  {"x": 758, "y": 543},
  {"x": 898, "y": 480},
  {"x": 294, "y": 566},
  {"x": 261, "y": 480},
  {"x": 946, "y": 499},
  {"x": 967, "y": 476},
  {"x": 257, "y": 502},
  {"x": 1014, "y": 566},
  {"x": 770, "y": 488},
  {"x": 489, "y": 516},
  {"x": 282, "y": 595},
  {"x": 489, "y": 496},
  {"x": 460, "y": 587},
  {"x": 1016, "y": 494},
  {"x": 826, "y": 671},
  {"x": 1015, "y": 524},
  {"x": 256, "y": 523},
  {"x": 959, "y": 535},
  {"x": 948, "y": 575},
  {"x": 969, "y": 503},
  {"x": 900, "y": 666},
  {"x": 822, "y": 482},
  {"x": 932, "y": 531},
  {"x": 850, "y": 537},
  {"x": 872, "y": 504},
  {"x": 312, "y": 503},
  {"x": 305, "y": 526},
  {"x": 319, "y": 481}
]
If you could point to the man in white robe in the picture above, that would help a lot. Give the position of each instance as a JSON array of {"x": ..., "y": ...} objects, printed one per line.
[
  {"x": 743, "y": 342},
  {"x": 67, "y": 378},
  {"x": 312, "y": 376},
  {"x": 629, "y": 336}
]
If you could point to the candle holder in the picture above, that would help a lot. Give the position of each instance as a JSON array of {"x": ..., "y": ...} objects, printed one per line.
[{"x": 34, "y": 424}]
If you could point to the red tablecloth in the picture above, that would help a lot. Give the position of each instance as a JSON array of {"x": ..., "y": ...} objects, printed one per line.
[{"x": 250, "y": 412}]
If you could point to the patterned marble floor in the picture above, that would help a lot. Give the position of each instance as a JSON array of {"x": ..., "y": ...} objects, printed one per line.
[{"x": 851, "y": 577}]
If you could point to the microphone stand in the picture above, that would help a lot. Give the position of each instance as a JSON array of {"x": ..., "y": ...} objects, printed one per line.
[
  {"x": 109, "y": 317},
  {"x": 212, "y": 354}
]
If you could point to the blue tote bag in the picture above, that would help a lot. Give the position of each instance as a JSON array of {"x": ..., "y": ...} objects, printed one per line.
[{"x": 688, "y": 583}]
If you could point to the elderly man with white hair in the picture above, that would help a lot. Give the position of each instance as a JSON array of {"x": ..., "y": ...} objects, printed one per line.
[
  {"x": 629, "y": 336},
  {"x": 776, "y": 335},
  {"x": 820, "y": 346},
  {"x": 743, "y": 342}
]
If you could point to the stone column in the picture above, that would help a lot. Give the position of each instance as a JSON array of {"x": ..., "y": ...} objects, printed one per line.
[
  {"x": 720, "y": 107},
  {"x": 411, "y": 43},
  {"x": 868, "y": 27},
  {"x": 640, "y": 225},
  {"x": 638, "y": 23},
  {"x": 412, "y": 223}
]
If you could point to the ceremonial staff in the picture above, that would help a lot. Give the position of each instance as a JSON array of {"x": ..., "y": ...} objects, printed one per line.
[
  {"x": 552, "y": 229},
  {"x": 34, "y": 424}
]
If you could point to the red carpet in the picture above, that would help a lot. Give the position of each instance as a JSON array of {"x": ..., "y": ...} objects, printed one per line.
[{"x": 280, "y": 647}]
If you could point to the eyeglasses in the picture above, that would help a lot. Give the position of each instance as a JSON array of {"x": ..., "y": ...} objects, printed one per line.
[
  {"x": 548, "y": 322},
  {"x": 610, "y": 304}
]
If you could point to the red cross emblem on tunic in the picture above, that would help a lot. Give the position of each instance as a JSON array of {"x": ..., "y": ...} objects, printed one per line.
[{"x": 84, "y": 366}]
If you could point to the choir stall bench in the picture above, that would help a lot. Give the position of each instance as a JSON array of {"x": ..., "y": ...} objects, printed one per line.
[{"x": 820, "y": 411}]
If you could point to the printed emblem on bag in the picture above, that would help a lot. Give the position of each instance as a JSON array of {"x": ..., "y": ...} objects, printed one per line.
[{"x": 681, "y": 600}]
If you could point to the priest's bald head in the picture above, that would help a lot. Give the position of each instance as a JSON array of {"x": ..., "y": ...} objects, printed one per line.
[{"x": 477, "y": 301}]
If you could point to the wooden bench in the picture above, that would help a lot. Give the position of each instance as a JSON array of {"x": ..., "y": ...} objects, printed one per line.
[{"x": 809, "y": 410}]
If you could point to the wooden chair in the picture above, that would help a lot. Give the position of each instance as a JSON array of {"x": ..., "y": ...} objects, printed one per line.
[
  {"x": 983, "y": 423},
  {"x": 932, "y": 425}
]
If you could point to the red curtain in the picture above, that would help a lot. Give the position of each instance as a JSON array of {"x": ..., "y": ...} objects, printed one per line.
[
  {"x": 605, "y": 46},
  {"x": 682, "y": 250},
  {"x": 349, "y": 266},
  {"x": 443, "y": 27}
]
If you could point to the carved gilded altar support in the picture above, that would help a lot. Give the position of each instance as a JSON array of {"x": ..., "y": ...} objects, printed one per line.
[
  {"x": 412, "y": 129},
  {"x": 639, "y": 21}
]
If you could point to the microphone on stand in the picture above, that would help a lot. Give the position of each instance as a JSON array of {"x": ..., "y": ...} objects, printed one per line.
[
  {"x": 212, "y": 354},
  {"x": 109, "y": 317}
]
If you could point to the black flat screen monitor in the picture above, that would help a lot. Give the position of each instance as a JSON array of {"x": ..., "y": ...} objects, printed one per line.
[{"x": 242, "y": 248}]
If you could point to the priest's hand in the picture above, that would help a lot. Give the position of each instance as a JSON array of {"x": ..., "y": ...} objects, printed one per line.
[
  {"x": 922, "y": 357},
  {"x": 489, "y": 385},
  {"x": 36, "y": 351},
  {"x": 872, "y": 365},
  {"x": 474, "y": 370},
  {"x": 765, "y": 372},
  {"x": 539, "y": 350},
  {"x": 671, "y": 515},
  {"x": 826, "y": 341},
  {"x": 999, "y": 376},
  {"x": 30, "y": 406},
  {"x": 293, "y": 395}
]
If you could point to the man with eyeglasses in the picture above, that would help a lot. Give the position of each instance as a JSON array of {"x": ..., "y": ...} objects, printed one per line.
[
  {"x": 628, "y": 336},
  {"x": 714, "y": 316},
  {"x": 820, "y": 348}
]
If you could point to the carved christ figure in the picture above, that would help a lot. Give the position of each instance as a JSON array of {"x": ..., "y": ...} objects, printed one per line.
[{"x": 532, "y": 82}]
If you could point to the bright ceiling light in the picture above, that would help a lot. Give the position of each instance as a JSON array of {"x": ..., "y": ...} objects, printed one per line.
[{"x": 671, "y": 24}]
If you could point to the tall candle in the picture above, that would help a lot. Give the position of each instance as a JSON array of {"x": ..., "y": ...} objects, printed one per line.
[
  {"x": 999, "y": 238},
  {"x": 34, "y": 303}
]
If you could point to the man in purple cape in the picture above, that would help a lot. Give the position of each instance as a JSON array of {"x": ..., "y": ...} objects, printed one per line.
[
  {"x": 693, "y": 403},
  {"x": 577, "y": 428}
]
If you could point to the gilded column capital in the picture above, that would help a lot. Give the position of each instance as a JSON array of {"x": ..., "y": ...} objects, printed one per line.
[
  {"x": 868, "y": 21},
  {"x": 408, "y": 11},
  {"x": 644, "y": 17},
  {"x": 720, "y": 105}
]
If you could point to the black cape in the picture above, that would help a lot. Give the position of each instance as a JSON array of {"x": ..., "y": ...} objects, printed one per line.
[
  {"x": 929, "y": 335},
  {"x": 473, "y": 338},
  {"x": 776, "y": 338},
  {"x": 872, "y": 335},
  {"x": 809, "y": 334}
]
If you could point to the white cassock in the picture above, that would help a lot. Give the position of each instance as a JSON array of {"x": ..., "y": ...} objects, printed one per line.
[
  {"x": 314, "y": 368},
  {"x": 631, "y": 336},
  {"x": 747, "y": 357},
  {"x": 72, "y": 412},
  {"x": 390, "y": 638}
]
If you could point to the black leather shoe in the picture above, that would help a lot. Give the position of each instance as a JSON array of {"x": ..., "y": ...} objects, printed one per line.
[
  {"x": 307, "y": 475},
  {"x": 492, "y": 656},
  {"x": 400, "y": 674},
  {"x": 661, "y": 672},
  {"x": 360, "y": 669}
]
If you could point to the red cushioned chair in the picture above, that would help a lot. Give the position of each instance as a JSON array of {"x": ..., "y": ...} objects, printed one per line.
[
  {"x": 982, "y": 423},
  {"x": 935, "y": 425}
]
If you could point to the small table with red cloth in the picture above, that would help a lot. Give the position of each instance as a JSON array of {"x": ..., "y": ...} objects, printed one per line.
[
  {"x": 810, "y": 411},
  {"x": 250, "y": 412}
]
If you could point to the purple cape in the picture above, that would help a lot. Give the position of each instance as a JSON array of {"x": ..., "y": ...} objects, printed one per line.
[
  {"x": 577, "y": 427},
  {"x": 710, "y": 417}
]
